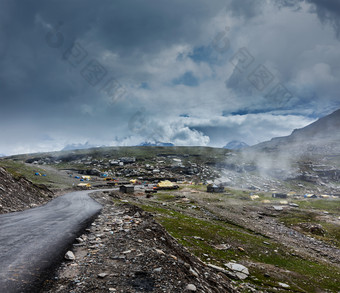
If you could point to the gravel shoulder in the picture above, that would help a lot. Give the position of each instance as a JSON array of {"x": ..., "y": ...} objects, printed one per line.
[{"x": 125, "y": 250}]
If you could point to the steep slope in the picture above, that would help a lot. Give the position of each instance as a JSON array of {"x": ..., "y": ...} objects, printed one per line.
[
  {"x": 19, "y": 193},
  {"x": 320, "y": 137}
]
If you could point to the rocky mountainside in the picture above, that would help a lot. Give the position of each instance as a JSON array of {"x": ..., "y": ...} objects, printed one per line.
[
  {"x": 18, "y": 193},
  {"x": 320, "y": 137}
]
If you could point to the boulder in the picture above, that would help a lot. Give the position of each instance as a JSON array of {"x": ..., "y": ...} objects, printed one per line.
[
  {"x": 69, "y": 255},
  {"x": 191, "y": 287},
  {"x": 240, "y": 271}
]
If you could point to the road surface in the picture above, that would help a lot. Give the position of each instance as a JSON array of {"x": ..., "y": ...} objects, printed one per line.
[{"x": 34, "y": 241}]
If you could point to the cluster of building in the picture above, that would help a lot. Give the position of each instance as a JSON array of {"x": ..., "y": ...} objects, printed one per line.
[{"x": 158, "y": 168}]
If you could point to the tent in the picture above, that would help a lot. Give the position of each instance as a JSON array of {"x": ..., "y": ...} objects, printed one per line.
[
  {"x": 166, "y": 184},
  {"x": 84, "y": 185},
  {"x": 310, "y": 195}
]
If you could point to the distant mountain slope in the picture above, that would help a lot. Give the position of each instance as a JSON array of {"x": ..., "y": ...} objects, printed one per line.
[
  {"x": 156, "y": 144},
  {"x": 321, "y": 136},
  {"x": 235, "y": 145},
  {"x": 79, "y": 146}
]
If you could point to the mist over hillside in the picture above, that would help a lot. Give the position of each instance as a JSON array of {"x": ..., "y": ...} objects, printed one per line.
[
  {"x": 320, "y": 137},
  {"x": 310, "y": 153}
]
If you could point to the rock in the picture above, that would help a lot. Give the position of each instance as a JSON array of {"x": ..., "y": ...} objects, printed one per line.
[
  {"x": 159, "y": 251},
  {"x": 194, "y": 273},
  {"x": 283, "y": 285},
  {"x": 278, "y": 208},
  {"x": 173, "y": 256},
  {"x": 69, "y": 255},
  {"x": 191, "y": 287},
  {"x": 294, "y": 205},
  {"x": 222, "y": 246},
  {"x": 198, "y": 238},
  {"x": 102, "y": 275},
  {"x": 316, "y": 229},
  {"x": 218, "y": 269},
  {"x": 240, "y": 270},
  {"x": 157, "y": 270}
]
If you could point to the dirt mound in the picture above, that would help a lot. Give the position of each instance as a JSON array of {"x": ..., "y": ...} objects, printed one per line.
[{"x": 18, "y": 193}]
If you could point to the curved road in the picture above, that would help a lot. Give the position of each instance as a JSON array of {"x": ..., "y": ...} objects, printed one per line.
[{"x": 34, "y": 241}]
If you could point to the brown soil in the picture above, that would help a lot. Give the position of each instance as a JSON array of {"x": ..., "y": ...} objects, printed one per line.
[{"x": 17, "y": 194}]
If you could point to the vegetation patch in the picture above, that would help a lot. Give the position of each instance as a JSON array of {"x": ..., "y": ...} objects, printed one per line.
[
  {"x": 329, "y": 205},
  {"x": 304, "y": 221},
  {"x": 19, "y": 169},
  {"x": 204, "y": 238}
]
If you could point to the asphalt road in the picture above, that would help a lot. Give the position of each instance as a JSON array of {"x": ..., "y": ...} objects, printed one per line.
[{"x": 34, "y": 241}]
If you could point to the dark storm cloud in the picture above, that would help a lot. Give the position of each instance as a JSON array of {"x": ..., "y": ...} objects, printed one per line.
[
  {"x": 33, "y": 76},
  {"x": 159, "y": 56},
  {"x": 38, "y": 87},
  {"x": 329, "y": 11}
]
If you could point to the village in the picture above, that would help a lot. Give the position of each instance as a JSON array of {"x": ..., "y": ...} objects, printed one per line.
[
  {"x": 164, "y": 171},
  {"x": 256, "y": 229}
]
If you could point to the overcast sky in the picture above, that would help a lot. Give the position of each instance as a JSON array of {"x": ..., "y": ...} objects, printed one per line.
[{"x": 193, "y": 72}]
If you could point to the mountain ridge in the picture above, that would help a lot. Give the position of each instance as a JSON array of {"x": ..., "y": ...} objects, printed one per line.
[{"x": 321, "y": 136}]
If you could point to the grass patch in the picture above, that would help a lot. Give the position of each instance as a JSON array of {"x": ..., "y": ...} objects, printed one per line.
[
  {"x": 165, "y": 196},
  {"x": 202, "y": 236},
  {"x": 296, "y": 218},
  {"x": 329, "y": 205},
  {"x": 147, "y": 153},
  {"x": 19, "y": 169},
  {"x": 238, "y": 193}
]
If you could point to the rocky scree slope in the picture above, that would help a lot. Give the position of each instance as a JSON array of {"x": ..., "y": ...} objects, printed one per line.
[{"x": 17, "y": 193}]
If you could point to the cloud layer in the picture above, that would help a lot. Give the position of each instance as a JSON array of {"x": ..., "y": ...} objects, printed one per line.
[{"x": 190, "y": 73}]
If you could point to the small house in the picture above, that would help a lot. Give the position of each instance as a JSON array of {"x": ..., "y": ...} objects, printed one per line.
[
  {"x": 279, "y": 195},
  {"x": 214, "y": 188},
  {"x": 127, "y": 189}
]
